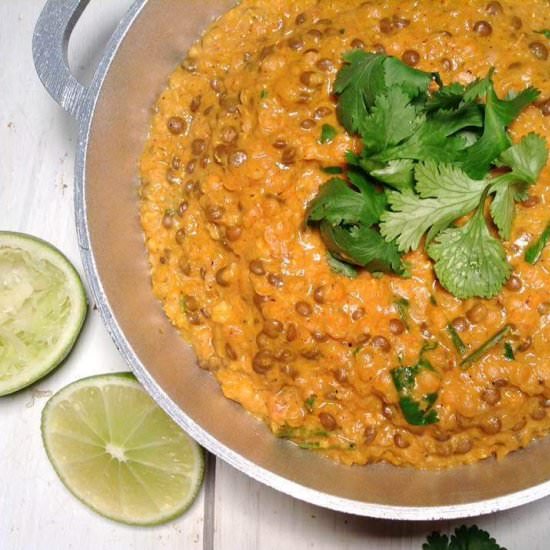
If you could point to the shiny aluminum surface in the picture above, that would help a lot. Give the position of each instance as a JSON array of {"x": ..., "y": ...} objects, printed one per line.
[{"x": 113, "y": 115}]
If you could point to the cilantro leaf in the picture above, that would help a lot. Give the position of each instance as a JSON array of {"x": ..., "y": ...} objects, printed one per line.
[
  {"x": 328, "y": 133},
  {"x": 337, "y": 202},
  {"x": 445, "y": 193},
  {"x": 503, "y": 208},
  {"x": 499, "y": 114},
  {"x": 358, "y": 83},
  {"x": 545, "y": 32},
  {"x": 413, "y": 81},
  {"x": 463, "y": 538},
  {"x": 473, "y": 538},
  {"x": 447, "y": 97},
  {"x": 430, "y": 142},
  {"x": 419, "y": 413},
  {"x": 340, "y": 267},
  {"x": 392, "y": 119},
  {"x": 416, "y": 412},
  {"x": 362, "y": 246},
  {"x": 509, "y": 351},
  {"x": 332, "y": 170},
  {"x": 396, "y": 173},
  {"x": 365, "y": 76},
  {"x": 534, "y": 252},
  {"x": 436, "y": 541},
  {"x": 469, "y": 261},
  {"x": 526, "y": 160},
  {"x": 432, "y": 150}
]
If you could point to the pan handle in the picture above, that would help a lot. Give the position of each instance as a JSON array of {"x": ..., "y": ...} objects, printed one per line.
[{"x": 49, "y": 49}]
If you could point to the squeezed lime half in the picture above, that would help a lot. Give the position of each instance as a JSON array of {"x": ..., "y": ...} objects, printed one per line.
[
  {"x": 119, "y": 452},
  {"x": 42, "y": 309}
]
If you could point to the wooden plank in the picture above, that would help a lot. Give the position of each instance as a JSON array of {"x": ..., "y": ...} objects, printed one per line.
[{"x": 251, "y": 516}]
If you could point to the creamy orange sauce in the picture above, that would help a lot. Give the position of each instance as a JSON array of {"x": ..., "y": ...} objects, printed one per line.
[{"x": 232, "y": 161}]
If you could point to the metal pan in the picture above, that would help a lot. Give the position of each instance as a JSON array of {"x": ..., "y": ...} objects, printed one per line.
[{"x": 113, "y": 115}]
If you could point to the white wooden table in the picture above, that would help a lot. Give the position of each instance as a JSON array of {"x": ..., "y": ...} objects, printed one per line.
[{"x": 37, "y": 142}]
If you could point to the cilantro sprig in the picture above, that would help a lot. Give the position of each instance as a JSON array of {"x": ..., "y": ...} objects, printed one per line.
[
  {"x": 463, "y": 538},
  {"x": 425, "y": 164}
]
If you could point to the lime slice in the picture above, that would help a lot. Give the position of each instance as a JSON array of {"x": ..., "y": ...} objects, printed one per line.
[
  {"x": 119, "y": 453},
  {"x": 42, "y": 309}
]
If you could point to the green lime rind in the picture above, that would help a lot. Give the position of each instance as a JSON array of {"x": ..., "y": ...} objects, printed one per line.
[
  {"x": 43, "y": 306},
  {"x": 119, "y": 453}
]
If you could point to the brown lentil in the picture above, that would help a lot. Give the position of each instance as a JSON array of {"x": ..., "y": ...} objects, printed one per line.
[
  {"x": 230, "y": 352},
  {"x": 491, "y": 396},
  {"x": 531, "y": 201},
  {"x": 358, "y": 314},
  {"x": 516, "y": 22},
  {"x": 234, "y": 232},
  {"x": 381, "y": 343},
  {"x": 411, "y": 57},
  {"x": 173, "y": 177},
  {"x": 319, "y": 294},
  {"x": 291, "y": 332},
  {"x": 180, "y": 235},
  {"x": 176, "y": 125},
  {"x": 222, "y": 276},
  {"x": 288, "y": 156},
  {"x": 319, "y": 336},
  {"x": 311, "y": 79},
  {"x": 328, "y": 421},
  {"x": 308, "y": 124},
  {"x": 295, "y": 43},
  {"x": 325, "y": 64},
  {"x": 463, "y": 446},
  {"x": 237, "y": 158},
  {"x": 198, "y": 147},
  {"x": 494, "y": 8},
  {"x": 514, "y": 283},
  {"x": 397, "y": 327},
  {"x": 385, "y": 25},
  {"x": 220, "y": 153},
  {"x": 322, "y": 112},
  {"x": 303, "y": 308},
  {"x": 357, "y": 44},
  {"x": 491, "y": 425},
  {"x": 538, "y": 50},
  {"x": 275, "y": 280},
  {"x": 214, "y": 212},
  {"x": 483, "y": 28},
  {"x": 538, "y": 414},
  {"x": 262, "y": 362},
  {"x": 273, "y": 328},
  {"x": 195, "y": 104},
  {"x": 257, "y": 267},
  {"x": 217, "y": 85},
  {"x": 477, "y": 314},
  {"x": 460, "y": 324},
  {"x": 400, "y": 441},
  {"x": 525, "y": 344},
  {"x": 229, "y": 134}
]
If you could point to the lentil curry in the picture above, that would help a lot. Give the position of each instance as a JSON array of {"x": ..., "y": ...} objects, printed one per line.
[{"x": 234, "y": 158}]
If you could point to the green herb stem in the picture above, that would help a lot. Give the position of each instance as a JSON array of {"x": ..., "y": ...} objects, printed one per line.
[
  {"x": 457, "y": 340},
  {"x": 534, "y": 252},
  {"x": 485, "y": 347}
]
